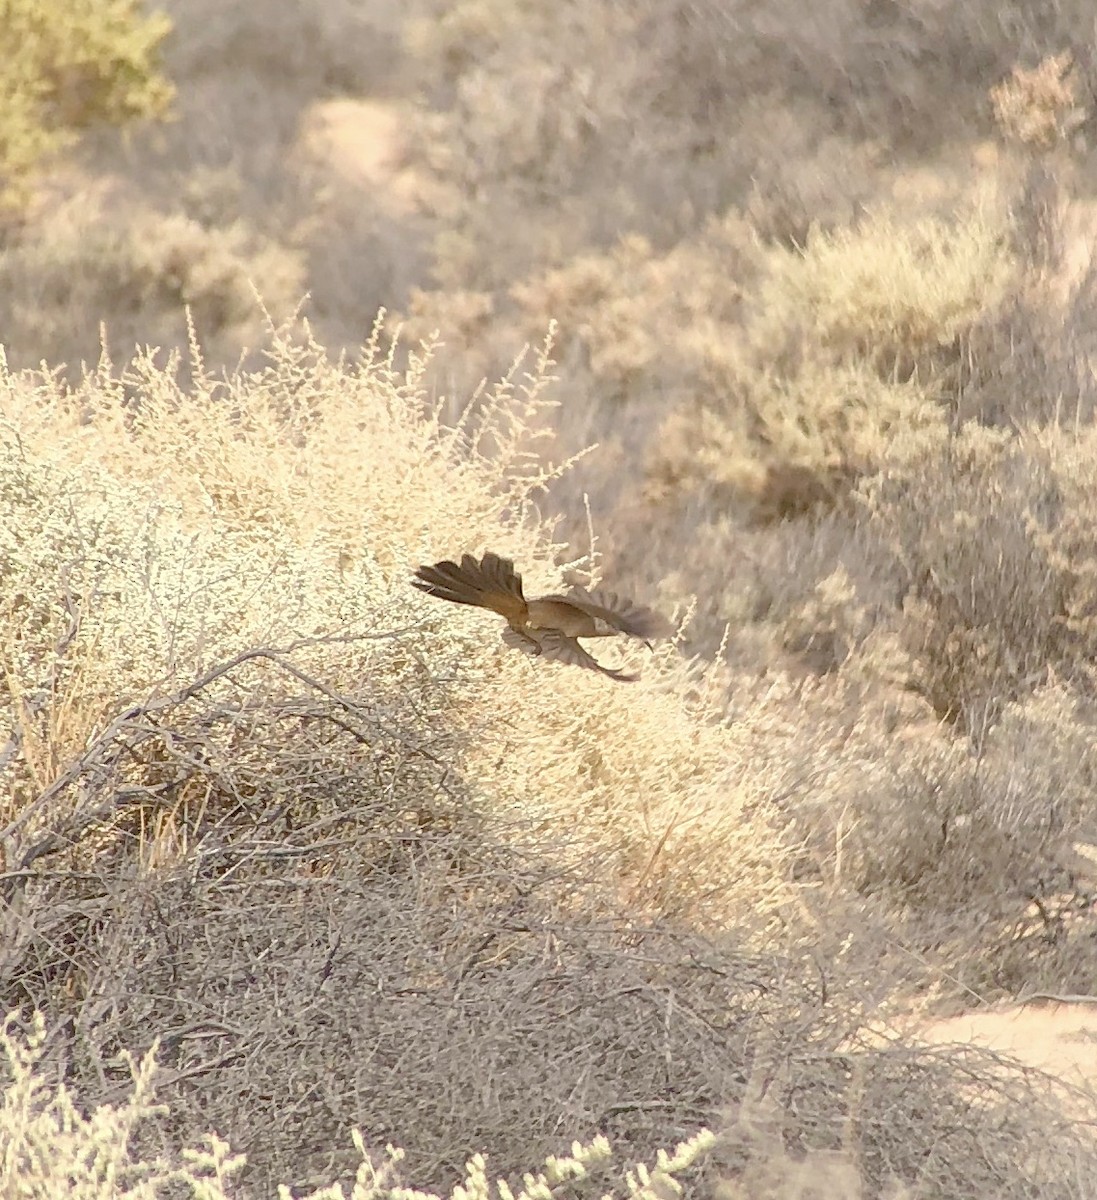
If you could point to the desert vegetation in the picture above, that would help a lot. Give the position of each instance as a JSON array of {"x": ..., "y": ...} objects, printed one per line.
[{"x": 775, "y": 316}]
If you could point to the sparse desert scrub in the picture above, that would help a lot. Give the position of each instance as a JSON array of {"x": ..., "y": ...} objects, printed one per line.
[
  {"x": 140, "y": 268},
  {"x": 353, "y": 861},
  {"x": 52, "y": 1147},
  {"x": 796, "y": 371},
  {"x": 744, "y": 92},
  {"x": 975, "y": 864},
  {"x": 241, "y": 748},
  {"x": 356, "y": 863}
]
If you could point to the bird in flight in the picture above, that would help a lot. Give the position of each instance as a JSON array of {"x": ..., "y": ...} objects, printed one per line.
[{"x": 545, "y": 625}]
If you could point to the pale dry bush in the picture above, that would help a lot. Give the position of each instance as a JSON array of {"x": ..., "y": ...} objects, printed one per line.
[
  {"x": 796, "y": 370},
  {"x": 152, "y": 550},
  {"x": 65, "y": 67},
  {"x": 870, "y": 1101},
  {"x": 840, "y": 361},
  {"x": 554, "y": 113},
  {"x": 967, "y": 864},
  {"x": 354, "y": 862},
  {"x": 941, "y": 634},
  {"x": 889, "y": 291},
  {"x": 255, "y": 781}
]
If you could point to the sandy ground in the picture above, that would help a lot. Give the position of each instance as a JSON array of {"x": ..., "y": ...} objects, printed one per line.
[{"x": 1054, "y": 1034}]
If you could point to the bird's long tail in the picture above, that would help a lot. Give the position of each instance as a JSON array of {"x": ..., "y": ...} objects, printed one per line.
[{"x": 490, "y": 583}]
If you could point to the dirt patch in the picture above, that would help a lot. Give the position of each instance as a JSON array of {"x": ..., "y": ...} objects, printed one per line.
[
  {"x": 1054, "y": 1034},
  {"x": 364, "y": 142}
]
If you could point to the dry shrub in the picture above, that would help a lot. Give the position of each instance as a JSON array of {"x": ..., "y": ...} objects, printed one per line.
[
  {"x": 796, "y": 371},
  {"x": 944, "y": 860},
  {"x": 253, "y": 774},
  {"x": 871, "y": 1102},
  {"x": 788, "y": 446},
  {"x": 890, "y": 292},
  {"x": 53, "y": 1148},
  {"x": 973, "y": 525},
  {"x": 233, "y": 194},
  {"x": 840, "y": 364},
  {"x": 615, "y": 304},
  {"x": 944, "y": 776},
  {"x": 1030, "y": 360},
  {"x": 555, "y": 113},
  {"x": 142, "y": 268},
  {"x": 975, "y": 858},
  {"x": 846, "y": 1124}
]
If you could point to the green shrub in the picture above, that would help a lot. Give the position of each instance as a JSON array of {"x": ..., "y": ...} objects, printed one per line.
[{"x": 65, "y": 64}]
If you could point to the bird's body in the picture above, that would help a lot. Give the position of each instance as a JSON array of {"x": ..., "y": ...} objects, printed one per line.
[{"x": 543, "y": 625}]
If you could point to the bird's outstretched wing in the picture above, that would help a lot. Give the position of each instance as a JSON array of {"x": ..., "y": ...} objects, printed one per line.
[
  {"x": 517, "y": 640},
  {"x": 560, "y": 648},
  {"x": 490, "y": 583},
  {"x": 633, "y": 619}
]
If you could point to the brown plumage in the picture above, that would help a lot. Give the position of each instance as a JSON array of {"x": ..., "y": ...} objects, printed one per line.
[{"x": 544, "y": 625}]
